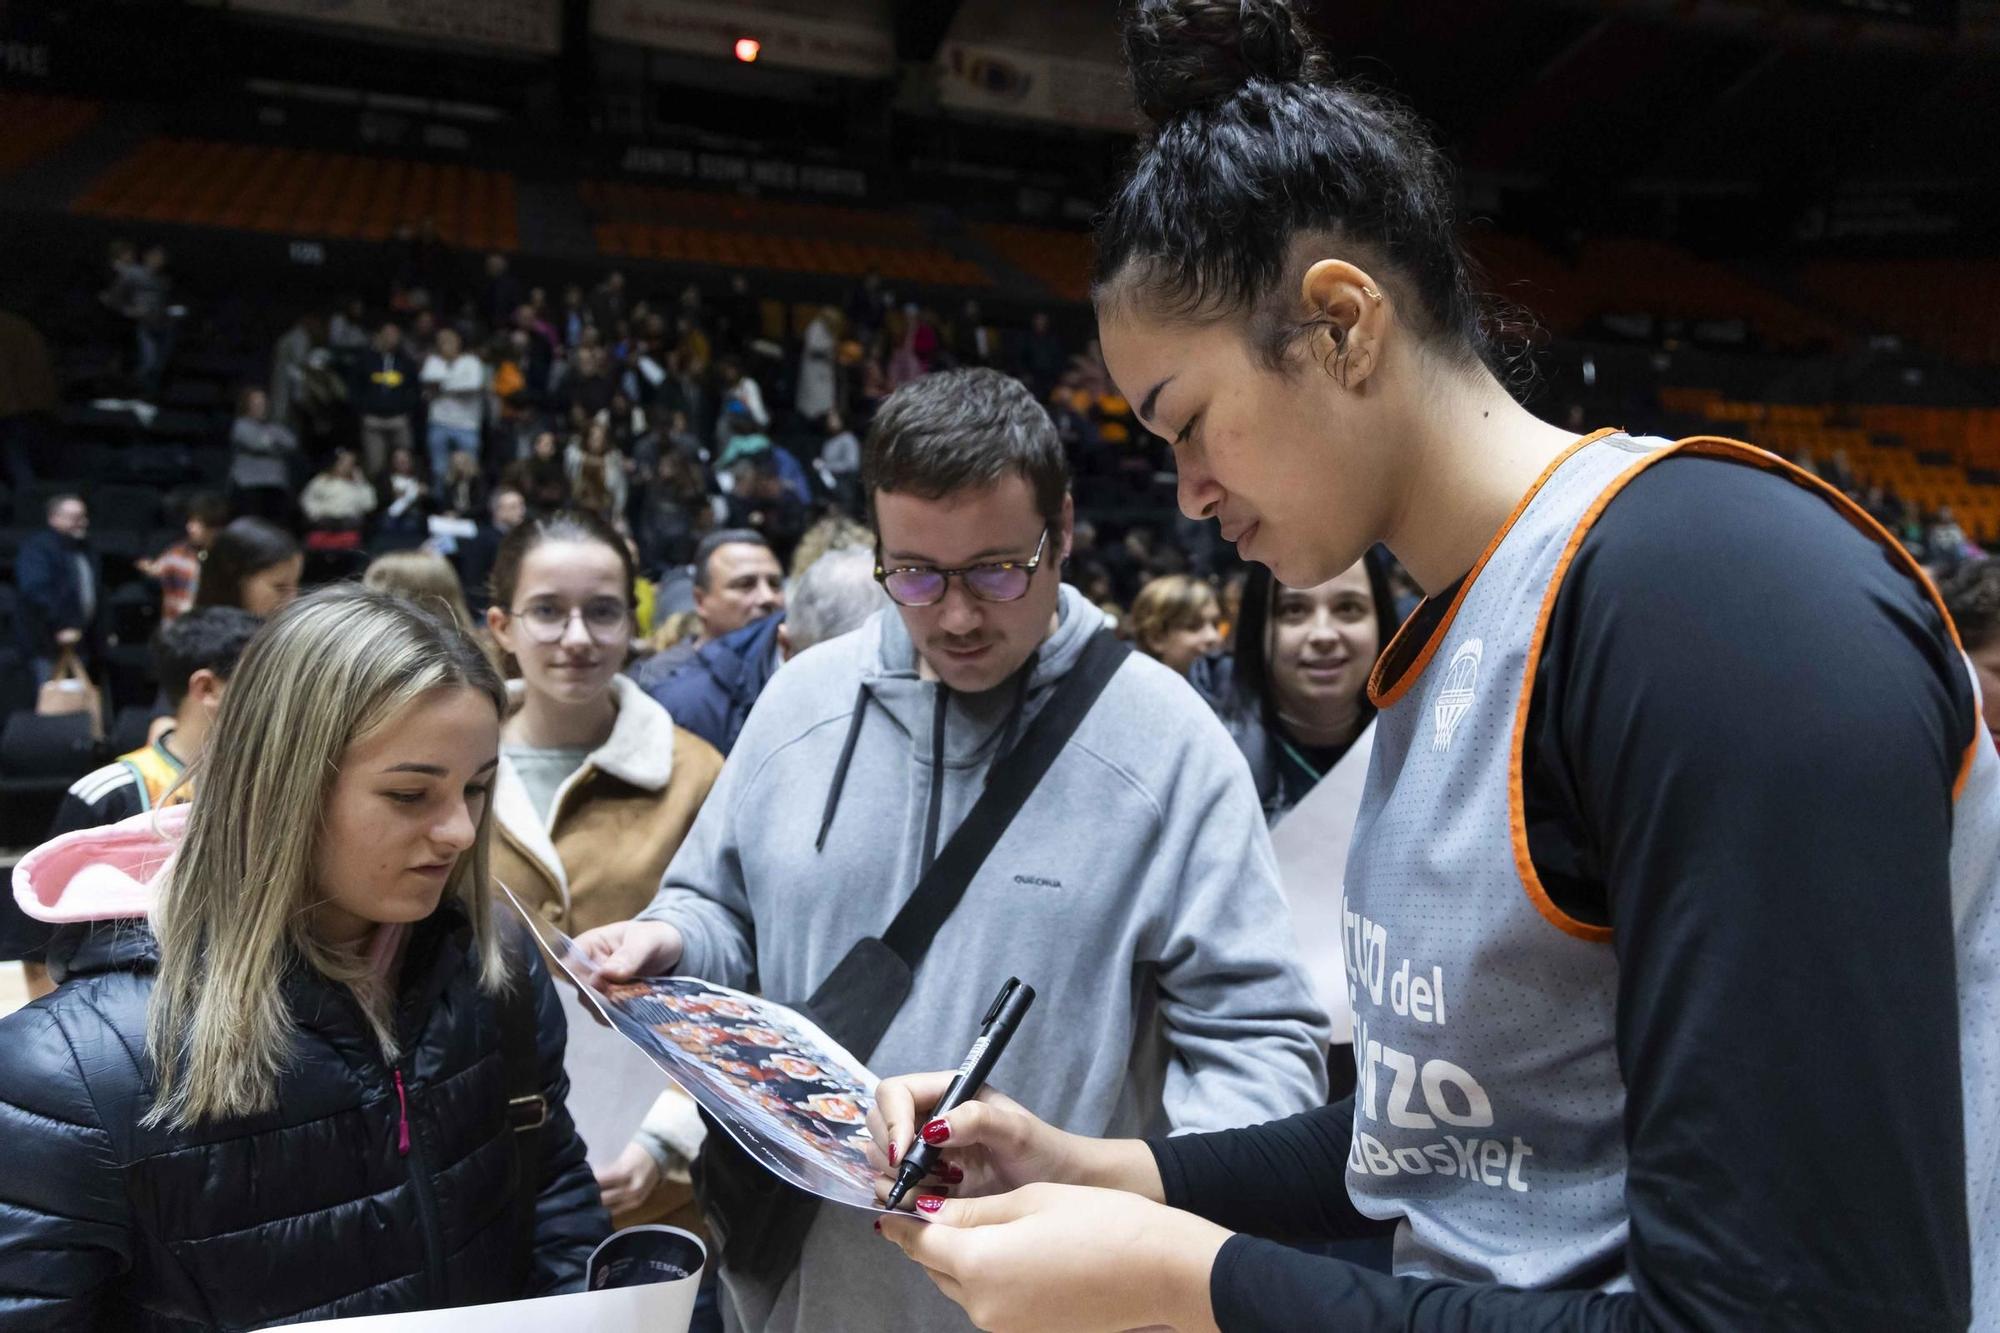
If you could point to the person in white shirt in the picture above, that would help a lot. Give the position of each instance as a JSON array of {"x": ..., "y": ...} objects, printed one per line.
[{"x": 455, "y": 383}]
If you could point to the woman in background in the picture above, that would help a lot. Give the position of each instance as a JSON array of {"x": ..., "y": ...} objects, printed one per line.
[
  {"x": 1297, "y": 699},
  {"x": 596, "y": 788},
  {"x": 426, "y": 577},
  {"x": 252, "y": 565}
]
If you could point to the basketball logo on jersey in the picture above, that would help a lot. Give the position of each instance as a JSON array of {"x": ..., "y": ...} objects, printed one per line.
[{"x": 1454, "y": 701}]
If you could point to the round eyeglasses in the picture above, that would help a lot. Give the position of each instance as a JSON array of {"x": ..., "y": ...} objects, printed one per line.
[
  {"x": 919, "y": 585},
  {"x": 604, "y": 620}
]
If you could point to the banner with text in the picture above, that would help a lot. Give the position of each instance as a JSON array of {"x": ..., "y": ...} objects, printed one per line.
[
  {"x": 516, "y": 25},
  {"x": 701, "y": 27},
  {"x": 1003, "y": 81}
]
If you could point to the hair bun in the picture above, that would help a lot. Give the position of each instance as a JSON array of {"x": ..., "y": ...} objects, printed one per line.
[{"x": 1187, "y": 54}]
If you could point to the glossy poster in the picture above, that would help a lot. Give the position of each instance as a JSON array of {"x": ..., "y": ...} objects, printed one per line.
[{"x": 790, "y": 1095}]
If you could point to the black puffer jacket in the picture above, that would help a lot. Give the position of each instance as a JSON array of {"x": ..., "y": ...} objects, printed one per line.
[{"x": 310, "y": 1211}]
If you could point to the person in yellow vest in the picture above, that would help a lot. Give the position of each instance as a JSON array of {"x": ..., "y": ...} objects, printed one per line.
[
  {"x": 596, "y": 786},
  {"x": 193, "y": 657}
]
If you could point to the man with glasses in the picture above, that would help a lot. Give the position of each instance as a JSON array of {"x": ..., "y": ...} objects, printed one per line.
[{"x": 1134, "y": 889}]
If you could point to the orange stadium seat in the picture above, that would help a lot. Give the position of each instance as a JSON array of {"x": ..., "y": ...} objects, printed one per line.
[
  {"x": 304, "y": 192},
  {"x": 38, "y": 124}
]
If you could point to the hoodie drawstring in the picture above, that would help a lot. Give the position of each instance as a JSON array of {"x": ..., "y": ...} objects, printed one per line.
[
  {"x": 1011, "y": 729},
  {"x": 861, "y": 699},
  {"x": 935, "y": 815}
]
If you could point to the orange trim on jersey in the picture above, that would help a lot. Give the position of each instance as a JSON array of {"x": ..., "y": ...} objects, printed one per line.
[
  {"x": 1384, "y": 698},
  {"x": 1712, "y": 446}
]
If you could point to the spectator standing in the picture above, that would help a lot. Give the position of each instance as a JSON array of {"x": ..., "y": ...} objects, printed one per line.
[
  {"x": 542, "y": 477},
  {"x": 500, "y": 294},
  {"x": 1178, "y": 1001},
  {"x": 737, "y": 579},
  {"x": 673, "y": 511},
  {"x": 597, "y": 477},
  {"x": 607, "y": 303},
  {"x": 143, "y": 293},
  {"x": 291, "y": 357},
  {"x": 597, "y": 786},
  {"x": 178, "y": 568},
  {"x": 387, "y": 394},
  {"x": 60, "y": 578},
  {"x": 814, "y": 397},
  {"x": 455, "y": 381},
  {"x": 1043, "y": 357},
  {"x": 713, "y": 693},
  {"x": 260, "y": 472},
  {"x": 971, "y": 340},
  {"x": 840, "y": 461}
]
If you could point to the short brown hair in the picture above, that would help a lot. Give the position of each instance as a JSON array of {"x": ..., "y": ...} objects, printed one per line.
[
  {"x": 963, "y": 430},
  {"x": 1167, "y": 604}
]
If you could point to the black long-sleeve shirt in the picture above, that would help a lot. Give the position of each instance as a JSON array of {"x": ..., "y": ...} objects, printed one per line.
[{"x": 1744, "y": 734}]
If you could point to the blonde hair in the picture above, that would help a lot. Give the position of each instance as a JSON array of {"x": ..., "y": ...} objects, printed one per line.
[
  {"x": 676, "y": 629},
  {"x": 1166, "y": 604},
  {"x": 829, "y": 534},
  {"x": 236, "y": 905},
  {"x": 421, "y": 576}
]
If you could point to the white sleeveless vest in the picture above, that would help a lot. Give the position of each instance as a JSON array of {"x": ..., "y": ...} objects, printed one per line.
[{"x": 1489, "y": 1113}]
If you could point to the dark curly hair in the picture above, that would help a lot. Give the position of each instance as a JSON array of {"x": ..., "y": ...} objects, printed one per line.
[{"x": 1254, "y": 144}]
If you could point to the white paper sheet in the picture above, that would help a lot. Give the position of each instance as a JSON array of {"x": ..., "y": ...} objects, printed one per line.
[
  {"x": 663, "y": 1307},
  {"x": 1311, "y": 841}
]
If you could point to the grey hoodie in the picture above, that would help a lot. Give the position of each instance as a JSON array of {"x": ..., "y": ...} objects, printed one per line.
[{"x": 1135, "y": 891}]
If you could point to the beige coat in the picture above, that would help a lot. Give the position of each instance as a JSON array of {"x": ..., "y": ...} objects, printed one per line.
[
  {"x": 598, "y": 858},
  {"x": 612, "y": 827}
]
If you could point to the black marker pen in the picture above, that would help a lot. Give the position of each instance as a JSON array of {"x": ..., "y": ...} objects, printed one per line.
[{"x": 1010, "y": 1006}]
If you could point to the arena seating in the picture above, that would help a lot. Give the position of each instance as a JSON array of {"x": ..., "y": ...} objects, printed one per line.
[
  {"x": 1950, "y": 306},
  {"x": 741, "y": 231},
  {"x": 39, "y": 124},
  {"x": 304, "y": 192},
  {"x": 1930, "y": 456},
  {"x": 1059, "y": 260}
]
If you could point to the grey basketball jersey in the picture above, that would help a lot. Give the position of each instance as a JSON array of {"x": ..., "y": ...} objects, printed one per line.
[{"x": 1489, "y": 1112}]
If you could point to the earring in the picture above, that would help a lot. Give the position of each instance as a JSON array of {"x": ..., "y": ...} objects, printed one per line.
[{"x": 1373, "y": 295}]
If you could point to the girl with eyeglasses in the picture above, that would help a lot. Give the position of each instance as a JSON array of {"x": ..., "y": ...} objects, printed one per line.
[{"x": 596, "y": 786}]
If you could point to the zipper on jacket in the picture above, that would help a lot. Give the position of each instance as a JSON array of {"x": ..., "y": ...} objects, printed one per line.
[
  {"x": 412, "y": 1145},
  {"x": 402, "y": 1116}
]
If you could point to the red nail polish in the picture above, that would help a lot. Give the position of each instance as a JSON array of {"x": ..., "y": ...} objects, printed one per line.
[
  {"x": 952, "y": 1175},
  {"x": 929, "y": 1203},
  {"x": 936, "y": 1132},
  {"x": 878, "y": 1224},
  {"x": 892, "y": 1154}
]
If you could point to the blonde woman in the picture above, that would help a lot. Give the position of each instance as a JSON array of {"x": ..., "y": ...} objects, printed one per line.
[
  {"x": 297, "y": 1067},
  {"x": 596, "y": 785},
  {"x": 422, "y": 576},
  {"x": 1177, "y": 620}
]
